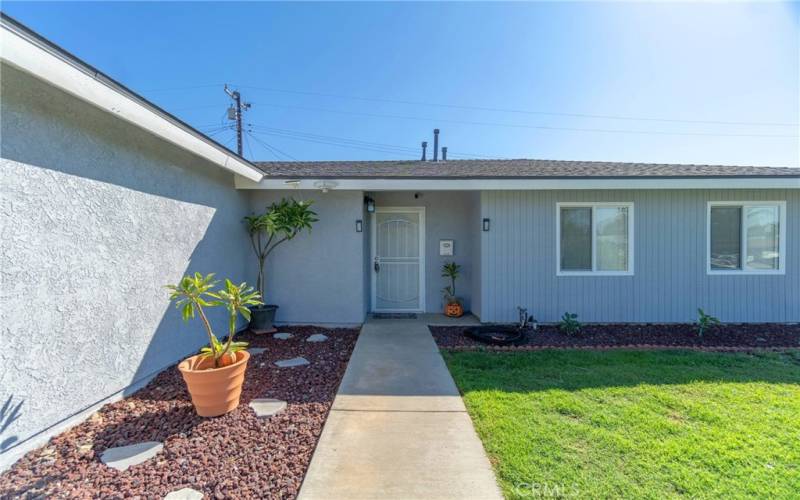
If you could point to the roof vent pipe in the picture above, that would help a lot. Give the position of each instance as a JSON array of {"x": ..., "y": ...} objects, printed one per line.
[
  {"x": 436, "y": 144},
  {"x": 444, "y": 153},
  {"x": 424, "y": 148}
]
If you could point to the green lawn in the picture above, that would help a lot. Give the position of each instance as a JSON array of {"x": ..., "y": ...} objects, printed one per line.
[{"x": 636, "y": 424}]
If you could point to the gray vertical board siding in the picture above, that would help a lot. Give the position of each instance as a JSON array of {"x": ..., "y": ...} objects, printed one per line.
[
  {"x": 448, "y": 215},
  {"x": 318, "y": 277},
  {"x": 98, "y": 216},
  {"x": 474, "y": 228},
  {"x": 518, "y": 261}
]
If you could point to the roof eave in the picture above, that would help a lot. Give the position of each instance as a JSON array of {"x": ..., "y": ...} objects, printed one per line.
[{"x": 32, "y": 54}]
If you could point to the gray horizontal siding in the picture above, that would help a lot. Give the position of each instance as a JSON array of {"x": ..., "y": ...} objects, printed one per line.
[{"x": 669, "y": 283}]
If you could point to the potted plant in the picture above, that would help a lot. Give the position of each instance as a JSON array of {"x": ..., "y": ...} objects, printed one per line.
[
  {"x": 215, "y": 376},
  {"x": 452, "y": 304},
  {"x": 281, "y": 222}
]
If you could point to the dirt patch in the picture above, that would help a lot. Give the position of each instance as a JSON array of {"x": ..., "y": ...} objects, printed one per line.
[
  {"x": 733, "y": 336},
  {"x": 233, "y": 456}
]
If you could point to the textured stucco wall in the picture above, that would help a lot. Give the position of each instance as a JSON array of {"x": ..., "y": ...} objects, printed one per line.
[
  {"x": 317, "y": 277},
  {"x": 448, "y": 215},
  {"x": 96, "y": 217}
]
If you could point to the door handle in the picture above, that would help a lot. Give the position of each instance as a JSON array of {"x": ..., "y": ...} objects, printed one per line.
[{"x": 377, "y": 265}]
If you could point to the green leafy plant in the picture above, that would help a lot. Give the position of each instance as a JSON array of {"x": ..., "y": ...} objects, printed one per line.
[
  {"x": 282, "y": 221},
  {"x": 194, "y": 293},
  {"x": 705, "y": 322},
  {"x": 569, "y": 323},
  {"x": 450, "y": 270}
]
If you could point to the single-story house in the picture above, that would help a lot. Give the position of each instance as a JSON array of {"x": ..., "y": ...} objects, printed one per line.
[{"x": 107, "y": 198}]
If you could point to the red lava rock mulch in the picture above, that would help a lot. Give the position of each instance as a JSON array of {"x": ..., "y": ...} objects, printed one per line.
[
  {"x": 731, "y": 337},
  {"x": 233, "y": 456}
]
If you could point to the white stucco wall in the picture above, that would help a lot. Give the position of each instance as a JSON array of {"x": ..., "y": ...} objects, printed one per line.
[{"x": 96, "y": 217}]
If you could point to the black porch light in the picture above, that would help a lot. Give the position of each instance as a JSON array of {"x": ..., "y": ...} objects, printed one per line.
[
  {"x": 370, "y": 203},
  {"x": 485, "y": 224}
]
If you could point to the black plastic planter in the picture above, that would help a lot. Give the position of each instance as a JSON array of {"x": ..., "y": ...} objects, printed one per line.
[{"x": 262, "y": 317}]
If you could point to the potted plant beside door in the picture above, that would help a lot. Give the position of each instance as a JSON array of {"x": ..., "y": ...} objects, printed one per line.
[
  {"x": 281, "y": 222},
  {"x": 452, "y": 304}
]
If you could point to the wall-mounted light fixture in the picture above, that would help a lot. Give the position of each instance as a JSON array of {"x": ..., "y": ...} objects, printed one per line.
[
  {"x": 370, "y": 204},
  {"x": 359, "y": 226},
  {"x": 485, "y": 224}
]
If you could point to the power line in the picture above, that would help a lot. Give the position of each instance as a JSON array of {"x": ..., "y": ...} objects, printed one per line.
[
  {"x": 188, "y": 87},
  {"x": 337, "y": 144},
  {"x": 524, "y": 126},
  {"x": 357, "y": 142},
  {"x": 486, "y": 108},
  {"x": 521, "y": 111},
  {"x": 270, "y": 148}
]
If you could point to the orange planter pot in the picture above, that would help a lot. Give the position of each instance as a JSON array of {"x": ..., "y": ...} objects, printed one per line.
[
  {"x": 214, "y": 391},
  {"x": 454, "y": 310}
]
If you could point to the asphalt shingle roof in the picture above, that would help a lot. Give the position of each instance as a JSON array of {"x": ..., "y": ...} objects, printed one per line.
[{"x": 509, "y": 169}]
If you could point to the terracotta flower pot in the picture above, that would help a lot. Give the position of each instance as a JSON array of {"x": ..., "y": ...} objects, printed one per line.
[
  {"x": 454, "y": 310},
  {"x": 214, "y": 391}
]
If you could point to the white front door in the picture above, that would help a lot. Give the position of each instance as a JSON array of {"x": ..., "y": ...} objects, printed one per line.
[{"x": 398, "y": 259}]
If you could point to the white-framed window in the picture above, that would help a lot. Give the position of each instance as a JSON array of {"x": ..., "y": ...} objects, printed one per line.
[
  {"x": 746, "y": 237},
  {"x": 594, "y": 239}
]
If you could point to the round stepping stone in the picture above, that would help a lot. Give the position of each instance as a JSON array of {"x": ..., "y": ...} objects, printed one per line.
[
  {"x": 184, "y": 494},
  {"x": 282, "y": 336},
  {"x": 289, "y": 363},
  {"x": 256, "y": 350},
  {"x": 317, "y": 337},
  {"x": 267, "y": 407},
  {"x": 122, "y": 457}
]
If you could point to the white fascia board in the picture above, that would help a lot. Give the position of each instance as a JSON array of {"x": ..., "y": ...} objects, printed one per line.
[
  {"x": 524, "y": 184},
  {"x": 27, "y": 56}
]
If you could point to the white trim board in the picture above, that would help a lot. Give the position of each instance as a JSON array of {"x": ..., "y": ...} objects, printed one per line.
[
  {"x": 489, "y": 184},
  {"x": 25, "y": 53},
  {"x": 422, "y": 258}
]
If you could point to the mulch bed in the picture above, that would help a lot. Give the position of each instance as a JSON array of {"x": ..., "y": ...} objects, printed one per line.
[
  {"x": 727, "y": 337},
  {"x": 233, "y": 456}
]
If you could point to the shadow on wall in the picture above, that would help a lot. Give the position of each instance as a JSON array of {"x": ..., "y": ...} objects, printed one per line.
[
  {"x": 8, "y": 414},
  {"x": 96, "y": 224}
]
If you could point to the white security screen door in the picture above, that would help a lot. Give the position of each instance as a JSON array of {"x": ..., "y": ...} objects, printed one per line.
[{"x": 398, "y": 259}]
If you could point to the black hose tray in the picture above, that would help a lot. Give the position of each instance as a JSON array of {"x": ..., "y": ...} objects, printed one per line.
[{"x": 496, "y": 334}]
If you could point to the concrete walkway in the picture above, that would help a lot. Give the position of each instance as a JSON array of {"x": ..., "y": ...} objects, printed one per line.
[{"x": 398, "y": 428}]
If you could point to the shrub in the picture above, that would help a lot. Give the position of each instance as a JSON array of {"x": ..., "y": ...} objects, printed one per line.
[
  {"x": 194, "y": 293},
  {"x": 280, "y": 222},
  {"x": 705, "y": 322},
  {"x": 569, "y": 323}
]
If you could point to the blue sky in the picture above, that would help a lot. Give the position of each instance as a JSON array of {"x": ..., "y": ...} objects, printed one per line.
[{"x": 708, "y": 83}]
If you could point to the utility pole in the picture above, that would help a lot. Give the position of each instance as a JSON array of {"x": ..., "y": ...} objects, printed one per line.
[{"x": 235, "y": 113}]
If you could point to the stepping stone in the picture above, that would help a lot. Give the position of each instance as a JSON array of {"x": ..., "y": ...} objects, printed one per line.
[
  {"x": 289, "y": 363},
  {"x": 256, "y": 350},
  {"x": 317, "y": 337},
  {"x": 184, "y": 494},
  {"x": 267, "y": 407},
  {"x": 122, "y": 457},
  {"x": 282, "y": 336}
]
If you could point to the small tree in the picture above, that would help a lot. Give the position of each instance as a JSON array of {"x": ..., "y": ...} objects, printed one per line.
[
  {"x": 450, "y": 270},
  {"x": 281, "y": 222},
  {"x": 193, "y": 294}
]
